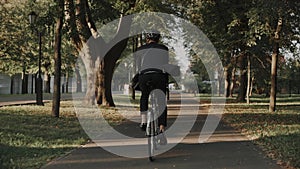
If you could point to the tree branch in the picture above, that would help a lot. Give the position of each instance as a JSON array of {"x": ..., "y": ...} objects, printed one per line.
[
  {"x": 90, "y": 21},
  {"x": 71, "y": 21},
  {"x": 121, "y": 38},
  {"x": 81, "y": 22}
]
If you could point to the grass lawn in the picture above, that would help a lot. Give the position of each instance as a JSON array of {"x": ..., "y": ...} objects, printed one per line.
[
  {"x": 30, "y": 137},
  {"x": 277, "y": 133}
]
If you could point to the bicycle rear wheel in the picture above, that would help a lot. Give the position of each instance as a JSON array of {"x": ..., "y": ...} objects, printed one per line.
[{"x": 151, "y": 141}]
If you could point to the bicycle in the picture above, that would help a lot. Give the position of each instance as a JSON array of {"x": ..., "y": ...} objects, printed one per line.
[
  {"x": 152, "y": 129},
  {"x": 152, "y": 126}
]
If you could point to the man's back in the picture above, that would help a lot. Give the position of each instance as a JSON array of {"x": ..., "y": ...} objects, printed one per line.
[
  {"x": 149, "y": 56},
  {"x": 152, "y": 55}
]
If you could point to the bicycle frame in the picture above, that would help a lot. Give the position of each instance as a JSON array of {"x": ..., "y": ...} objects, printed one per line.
[
  {"x": 152, "y": 125},
  {"x": 152, "y": 129}
]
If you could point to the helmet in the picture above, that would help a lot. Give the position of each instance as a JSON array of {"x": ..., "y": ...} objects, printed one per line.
[{"x": 153, "y": 35}]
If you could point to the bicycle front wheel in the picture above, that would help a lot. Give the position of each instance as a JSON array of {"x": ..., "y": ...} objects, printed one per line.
[{"x": 151, "y": 147}]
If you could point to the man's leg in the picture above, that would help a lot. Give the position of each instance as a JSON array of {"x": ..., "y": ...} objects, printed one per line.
[
  {"x": 144, "y": 101},
  {"x": 162, "y": 119},
  {"x": 144, "y": 109},
  {"x": 162, "y": 100}
]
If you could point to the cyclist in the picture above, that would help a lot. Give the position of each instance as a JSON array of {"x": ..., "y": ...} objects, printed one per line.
[{"x": 150, "y": 59}]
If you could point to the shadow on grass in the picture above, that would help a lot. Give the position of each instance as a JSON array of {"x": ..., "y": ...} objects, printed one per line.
[
  {"x": 28, "y": 157},
  {"x": 289, "y": 154},
  {"x": 29, "y": 138},
  {"x": 264, "y": 118},
  {"x": 253, "y": 99},
  {"x": 278, "y": 133}
]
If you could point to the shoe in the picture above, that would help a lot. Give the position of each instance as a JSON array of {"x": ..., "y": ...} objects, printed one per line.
[
  {"x": 162, "y": 139},
  {"x": 143, "y": 126}
]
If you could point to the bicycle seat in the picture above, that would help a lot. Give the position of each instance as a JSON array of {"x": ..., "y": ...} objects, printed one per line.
[{"x": 150, "y": 83}]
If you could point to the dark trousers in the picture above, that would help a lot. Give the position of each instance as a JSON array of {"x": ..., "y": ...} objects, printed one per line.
[{"x": 157, "y": 81}]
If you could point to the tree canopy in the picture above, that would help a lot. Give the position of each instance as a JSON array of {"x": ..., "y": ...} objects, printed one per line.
[{"x": 236, "y": 28}]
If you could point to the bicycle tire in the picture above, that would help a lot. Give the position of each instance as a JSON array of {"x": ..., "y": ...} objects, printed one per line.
[
  {"x": 152, "y": 127},
  {"x": 151, "y": 141}
]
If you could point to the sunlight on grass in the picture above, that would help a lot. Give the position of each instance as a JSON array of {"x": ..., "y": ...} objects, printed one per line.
[
  {"x": 30, "y": 137},
  {"x": 277, "y": 133}
]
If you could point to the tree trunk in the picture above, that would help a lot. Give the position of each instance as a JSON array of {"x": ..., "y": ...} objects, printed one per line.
[
  {"x": 232, "y": 84},
  {"x": 91, "y": 77},
  {"x": 105, "y": 74},
  {"x": 251, "y": 86},
  {"x": 24, "y": 82},
  {"x": 47, "y": 76},
  {"x": 71, "y": 21},
  {"x": 227, "y": 81},
  {"x": 12, "y": 84},
  {"x": 107, "y": 82},
  {"x": 107, "y": 64},
  {"x": 57, "y": 59},
  {"x": 67, "y": 82},
  {"x": 63, "y": 83},
  {"x": 220, "y": 84},
  {"x": 116, "y": 47},
  {"x": 249, "y": 78},
  {"x": 47, "y": 80},
  {"x": 83, "y": 28},
  {"x": 242, "y": 78},
  {"x": 233, "y": 71},
  {"x": 78, "y": 80},
  {"x": 100, "y": 85},
  {"x": 32, "y": 80},
  {"x": 272, "y": 106},
  {"x": 35, "y": 83},
  {"x": 290, "y": 87}
]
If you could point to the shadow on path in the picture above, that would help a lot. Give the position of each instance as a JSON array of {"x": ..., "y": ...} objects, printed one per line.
[{"x": 226, "y": 148}]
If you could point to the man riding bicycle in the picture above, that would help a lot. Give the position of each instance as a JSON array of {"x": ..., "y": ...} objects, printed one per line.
[{"x": 150, "y": 60}]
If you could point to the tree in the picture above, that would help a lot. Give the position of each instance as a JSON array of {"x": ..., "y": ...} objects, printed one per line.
[
  {"x": 57, "y": 57},
  {"x": 276, "y": 24},
  {"x": 274, "y": 66},
  {"x": 245, "y": 29},
  {"x": 12, "y": 42},
  {"x": 83, "y": 31},
  {"x": 289, "y": 75},
  {"x": 224, "y": 23},
  {"x": 82, "y": 28}
]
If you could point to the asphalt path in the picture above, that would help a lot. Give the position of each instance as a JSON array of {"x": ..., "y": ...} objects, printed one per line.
[{"x": 226, "y": 148}]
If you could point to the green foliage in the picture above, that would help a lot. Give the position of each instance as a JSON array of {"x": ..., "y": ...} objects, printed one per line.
[
  {"x": 19, "y": 41},
  {"x": 289, "y": 76},
  {"x": 152, "y": 6},
  {"x": 12, "y": 38},
  {"x": 239, "y": 27},
  {"x": 232, "y": 26},
  {"x": 104, "y": 11}
]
